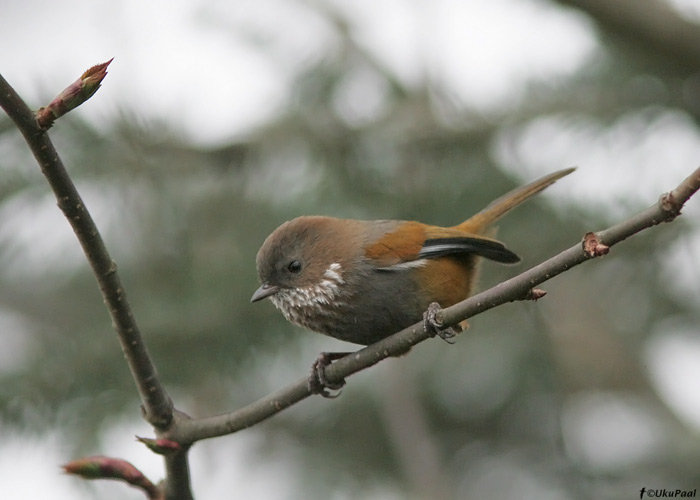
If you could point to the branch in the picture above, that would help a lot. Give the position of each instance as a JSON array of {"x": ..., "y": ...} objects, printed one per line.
[
  {"x": 188, "y": 431},
  {"x": 156, "y": 404},
  {"x": 177, "y": 487}
]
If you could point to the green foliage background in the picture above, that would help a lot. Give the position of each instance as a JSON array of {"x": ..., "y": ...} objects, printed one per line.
[{"x": 493, "y": 416}]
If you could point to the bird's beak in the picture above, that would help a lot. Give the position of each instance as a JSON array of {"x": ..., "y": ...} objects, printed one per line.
[{"x": 264, "y": 291}]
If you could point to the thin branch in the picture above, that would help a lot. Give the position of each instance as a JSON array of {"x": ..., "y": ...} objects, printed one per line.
[
  {"x": 178, "y": 487},
  {"x": 157, "y": 406},
  {"x": 188, "y": 431}
]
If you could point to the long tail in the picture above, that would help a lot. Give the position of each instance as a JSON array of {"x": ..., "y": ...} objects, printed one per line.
[{"x": 499, "y": 207}]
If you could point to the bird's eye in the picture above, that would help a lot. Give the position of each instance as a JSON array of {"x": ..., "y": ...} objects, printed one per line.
[{"x": 294, "y": 266}]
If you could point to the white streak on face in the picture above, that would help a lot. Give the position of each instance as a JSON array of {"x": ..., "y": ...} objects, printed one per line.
[{"x": 333, "y": 273}]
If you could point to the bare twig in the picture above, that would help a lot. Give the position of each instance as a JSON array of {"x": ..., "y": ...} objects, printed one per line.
[
  {"x": 177, "y": 487},
  {"x": 190, "y": 430},
  {"x": 156, "y": 405}
]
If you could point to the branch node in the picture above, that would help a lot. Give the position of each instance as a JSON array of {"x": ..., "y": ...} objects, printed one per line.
[
  {"x": 535, "y": 294},
  {"x": 670, "y": 205},
  {"x": 160, "y": 446},
  {"x": 593, "y": 247},
  {"x": 112, "y": 270}
]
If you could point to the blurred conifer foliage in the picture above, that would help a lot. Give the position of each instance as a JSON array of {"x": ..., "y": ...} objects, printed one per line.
[{"x": 528, "y": 400}]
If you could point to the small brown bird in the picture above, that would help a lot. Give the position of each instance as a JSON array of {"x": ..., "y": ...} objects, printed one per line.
[{"x": 361, "y": 281}]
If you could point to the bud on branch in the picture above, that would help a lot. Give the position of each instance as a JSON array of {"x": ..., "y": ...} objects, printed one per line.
[
  {"x": 73, "y": 96},
  {"x": 160, "y": 446},
  {"x": 99, "y": 467}
]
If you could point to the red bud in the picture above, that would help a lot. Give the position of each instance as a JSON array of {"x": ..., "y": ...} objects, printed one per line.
[
  {"x": 99, "y": 467},
  {"x": 73, "y": 96},
  {"x": 160, "y": 446}
]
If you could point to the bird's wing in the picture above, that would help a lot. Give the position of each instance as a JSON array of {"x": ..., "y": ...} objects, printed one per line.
[
  {"x": 412, "y": 242},
  {"x": 400, "y": 245},
  {"x": 484, "y": 247}
]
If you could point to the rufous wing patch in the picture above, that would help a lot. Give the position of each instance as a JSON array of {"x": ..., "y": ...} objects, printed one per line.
[{"x": 401, "y": 245}]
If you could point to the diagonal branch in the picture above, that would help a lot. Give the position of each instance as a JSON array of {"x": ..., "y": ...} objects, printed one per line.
[
  {"x": 186, "y": 431},
  {"x": 156, "y": 404}
]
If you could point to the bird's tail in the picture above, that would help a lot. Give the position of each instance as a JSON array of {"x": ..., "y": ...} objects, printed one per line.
[{"x": 499, "y": 207}]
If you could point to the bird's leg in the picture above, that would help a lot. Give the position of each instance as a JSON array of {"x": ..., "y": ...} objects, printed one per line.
[
  {"x": 318, "y": 383},
  {"x": 434, "y": 326}
]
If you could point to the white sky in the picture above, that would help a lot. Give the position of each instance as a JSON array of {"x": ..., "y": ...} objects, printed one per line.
[
  {"x": 192, "y": 64},
  {"x": 185, "y": 62}
]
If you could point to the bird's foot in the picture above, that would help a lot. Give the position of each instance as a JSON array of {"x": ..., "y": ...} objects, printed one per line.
[
  {"x": 318, "y": 383},
  {"x": 432, "y": 322}
]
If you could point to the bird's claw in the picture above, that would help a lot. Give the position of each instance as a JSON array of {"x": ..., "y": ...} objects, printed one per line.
[
  {"x": 432, "y": 322},
  {"x": 318, "y": 383}
]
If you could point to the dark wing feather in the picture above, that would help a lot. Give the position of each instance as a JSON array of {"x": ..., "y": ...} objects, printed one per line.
[{"x": 489, "y": 249}]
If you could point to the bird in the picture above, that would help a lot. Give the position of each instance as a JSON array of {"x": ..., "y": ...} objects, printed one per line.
[{"x": 363, "y": 280}]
